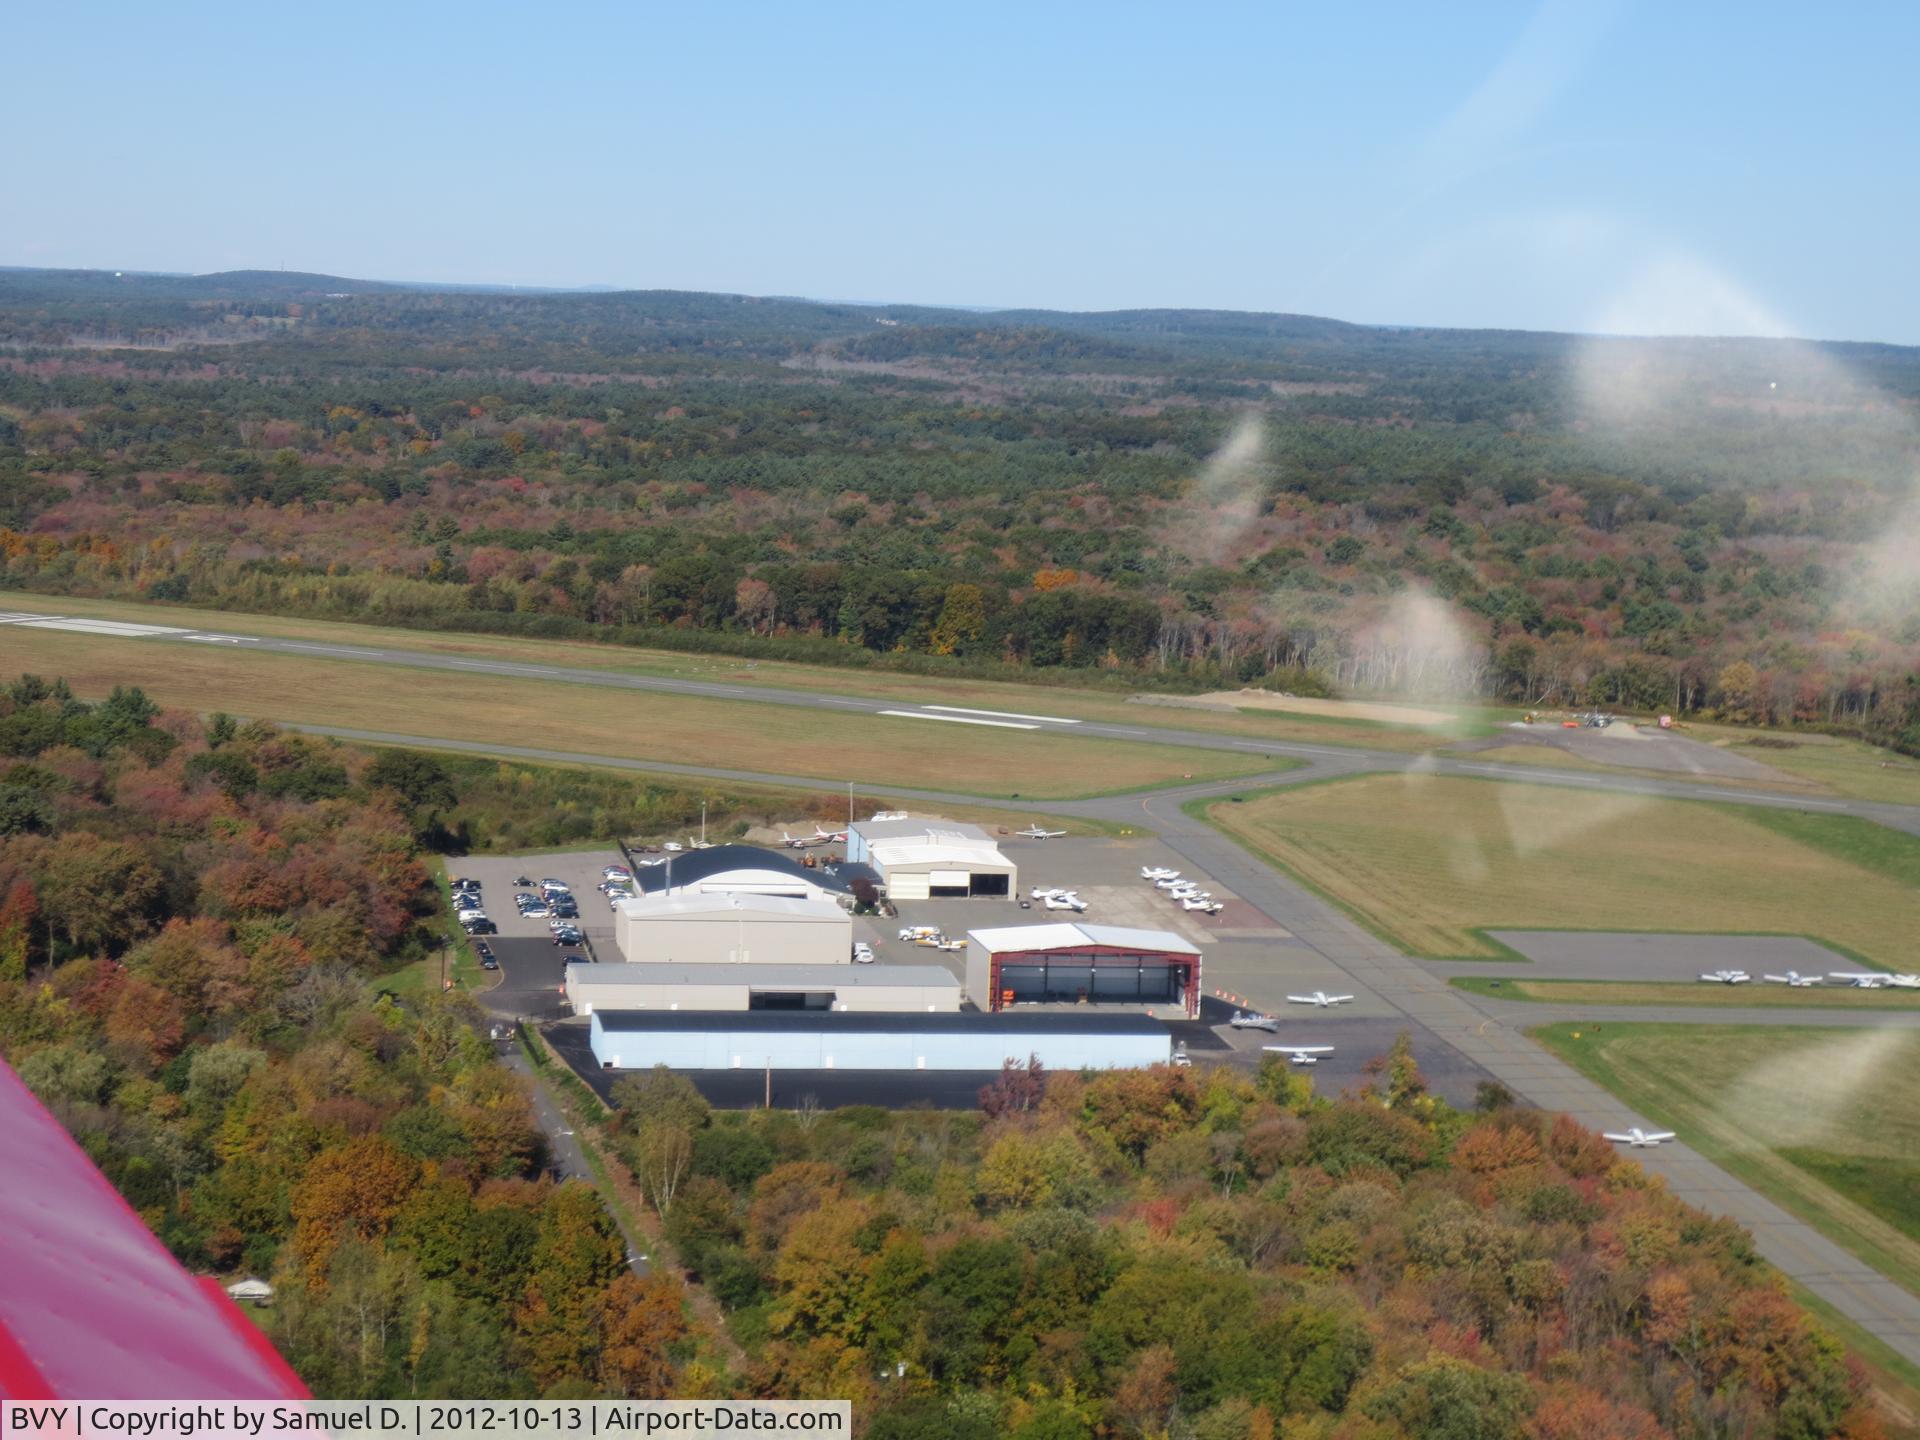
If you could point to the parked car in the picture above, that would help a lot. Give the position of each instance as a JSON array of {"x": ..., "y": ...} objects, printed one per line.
[
  {"x": 862, "y": 953},
  {"x": 568, "y": 937},
  {"x": 521, "y": 880},
  {"x": 534, "y": 912},
  {"x": 483, "y": 950},
  {"x": 481, "y": 926},
  {"x": 489, "y": 964},
  {"x": 557, "y": 887}
]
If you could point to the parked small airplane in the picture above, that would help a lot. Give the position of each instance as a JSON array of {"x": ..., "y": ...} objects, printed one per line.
[
  {"x": 1243, "y": 1020},
  {"x": 832, "y": 837},
  {"x": 1203, "y": 903},
  {"x": 1171, "y": 882},
  {"x": 1158, "y": 872},
  {"x": 1726, "y": 977},
  {"x": 801, "y": 842},
  {"x": 1034, "y": 832},
  {"x": 1320, "y": 998},
  {"x": 1301, "y": 1054},
  {"x": 1876, "y": 980},
  {"x": 1793, "y": 978},
  {"x": 1046, "y": 892},
  {"x": 1643, "y": 1139},
  {"x": 1066, "y": 900}
]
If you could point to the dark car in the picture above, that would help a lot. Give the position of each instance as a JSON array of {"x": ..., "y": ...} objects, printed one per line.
[
  {"x": 482, "y": 927},
  {"x": 523, "y": 900},
  {"x": 483, "y": 950},
  {"x": 565, "y": 910},
  {"x": 567, "y": 937},
  {"x": 489, "y": 964}
]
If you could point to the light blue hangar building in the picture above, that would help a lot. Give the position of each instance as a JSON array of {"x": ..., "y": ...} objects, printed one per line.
[{"x": 856, "y": 1040}]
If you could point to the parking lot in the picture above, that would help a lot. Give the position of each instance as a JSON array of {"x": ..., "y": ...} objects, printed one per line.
[{"x": 532, "y": 967}]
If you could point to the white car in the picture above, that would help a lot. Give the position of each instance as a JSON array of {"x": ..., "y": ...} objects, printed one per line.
[
  {"x": 535, "y": 912},
  {"x": 616, "y": 872},
  {"x": 862, "y": 953}
]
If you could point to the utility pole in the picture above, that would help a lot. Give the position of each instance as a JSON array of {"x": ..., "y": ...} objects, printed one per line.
[
  {"x": 703, "y": 822},
  {"x": 849, "y": 812},
  {"x": 769, "y": 1099}
]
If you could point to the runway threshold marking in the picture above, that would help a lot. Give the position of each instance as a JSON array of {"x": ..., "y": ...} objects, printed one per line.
[
  {"x": 1000, "y": 714},
  {"x": 956, "y": 719}
]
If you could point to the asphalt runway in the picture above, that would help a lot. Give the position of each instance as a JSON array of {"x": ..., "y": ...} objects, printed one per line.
[{"x": 1324, "y": 760}]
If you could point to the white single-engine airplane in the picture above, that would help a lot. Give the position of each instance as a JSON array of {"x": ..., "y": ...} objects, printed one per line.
[
  {"x": 1046, "y": 892},
  {"x": 1034, "y": 832},
  {"x": 1642, "y": 1139},
  {"x": 1727, "y": 977},
  {"x": 1065, "y": 900},
  {"x": 801, "y": 842},
  {"x": 1158, "y": 872},
  {"x": 1301, "y": 1054},
  {"x": 1206, "y": 904},
  {"x": 1320, "y": 998},
  {"x": 1793, "y": 978},
  {"x": 832, "y": 837},
  {"x": 1876, "y": 980}
]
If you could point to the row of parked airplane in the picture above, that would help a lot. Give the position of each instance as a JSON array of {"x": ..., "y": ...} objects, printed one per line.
[
  {"x": 1858, "y": 979},
  {"x": 1188, "y": 895}
]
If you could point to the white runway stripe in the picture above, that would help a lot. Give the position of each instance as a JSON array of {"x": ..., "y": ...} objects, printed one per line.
[
  {"x": 1002, "y": 714},
  {"x": 957, "y": 719}
]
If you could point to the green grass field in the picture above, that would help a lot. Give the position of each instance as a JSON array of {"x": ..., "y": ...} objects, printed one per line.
[
  {"x": 585, "y": 719},
  {"x": 1824, "y": 1121},
  {"x": 1656, "y": 992},
  {"x": 1430, "y": 863}
]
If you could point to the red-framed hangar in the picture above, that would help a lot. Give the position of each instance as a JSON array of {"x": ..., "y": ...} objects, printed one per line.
[{"x": 1081, "y": 964}]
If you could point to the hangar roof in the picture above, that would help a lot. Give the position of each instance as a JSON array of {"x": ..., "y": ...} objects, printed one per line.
[
  {"x": 1069, "y": 936},
  {"x": 908, "y": 828},
  {"x": 879, "y": 1022},
  {"x": 693, "y": 867},
  {"x": 731, "y": 903},
  {"x": 810, "y": 977}
]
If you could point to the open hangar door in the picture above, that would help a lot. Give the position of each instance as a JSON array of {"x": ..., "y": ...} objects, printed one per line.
[{"x": 993, "y": 887}]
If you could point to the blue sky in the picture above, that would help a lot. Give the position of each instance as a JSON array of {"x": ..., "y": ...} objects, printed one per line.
[{"x": 1630, "y": 166}]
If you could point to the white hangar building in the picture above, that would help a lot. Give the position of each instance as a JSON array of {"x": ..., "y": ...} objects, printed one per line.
[
  {"x": 593, "y": 988},
  {"x": 733, "y": 928},
  {"x": 932, "y": 859},
  {"x": 833, "y": 1040}
]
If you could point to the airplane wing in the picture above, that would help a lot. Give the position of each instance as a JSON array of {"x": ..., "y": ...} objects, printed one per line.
[
  {"x": 1302, "y": 1000},
  {"x": 94, "y": 1307},
  {"x": 1338, "y": 999},
  {"x": 1623, "y": 1139},
  {"x": 1658, "y": 1135}
]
